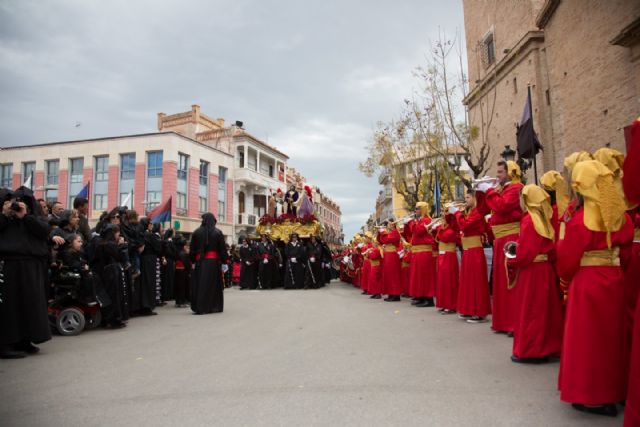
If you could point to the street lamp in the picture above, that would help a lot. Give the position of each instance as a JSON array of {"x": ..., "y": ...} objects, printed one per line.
[{"x": 508, "y": 153}]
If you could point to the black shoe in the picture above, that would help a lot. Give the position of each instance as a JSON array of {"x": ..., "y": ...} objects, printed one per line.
[
  {"x": 364, "y": 292},
  {"x": 608, "y": 410},
  {"x": 426, "y": 303},
  {"x": 417, "y": 301},
  {"x": 392, "y": 298},
  {"x": 27, "y": 347},
  {"x": 530, "y": 360},
  {"x": 510, "y": 334},
  {"x": 376, "y": 296}
]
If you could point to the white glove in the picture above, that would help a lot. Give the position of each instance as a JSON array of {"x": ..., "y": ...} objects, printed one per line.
[
  {"x": 248, "y": 262},
  {"x": 312, "y": 259},
  {"x": 452, "y": 210},
  {"x": 406, "y": 220},
  {"x": 360, "y": 245},
  {"x": 401, "y": 254},
  {"x": 345, "y": 260},
  {"x": 225, "y": 268},
  {"x": 483, "y": 187},
  {"x": 265, "y": 261},
  {"x": 435, "y": 227},
  {"x": 293, "y": 260}
]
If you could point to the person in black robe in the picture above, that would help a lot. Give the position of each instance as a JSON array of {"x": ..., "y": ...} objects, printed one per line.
[
  {"x": 208, "y": 252},
  {"x": 168, "y": 265},
  {"x": 110, "y": 254},
  {"x": 183, "y": 272},
  {"x": 145, "y": 300},
  {"x": 291, "y": 198},
  {"x": 248, "y": 270},
  {"x": 295, "y": 259},
  {"x": 23, "y": 261},
  {"x": 73, "y": 258},
  {"x": 327, "y": 260},
  {"x": 314, "y": 276},
  {"x": 267, "y": 262}
]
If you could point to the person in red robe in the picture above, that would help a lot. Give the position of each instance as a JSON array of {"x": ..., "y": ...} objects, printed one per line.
[
  {"x": 357, "y": 259},
  {"x": 554, "y": 184},
  {"x": 405, "y": 268},
  {"x": 390, "y": 240},
  {"x": 406, "y": 257},
  {"x": 591, "y": 256},
  {"x": 448, "y": 237},
  {"x": 421, "y": 286},
  {"x": 503, "y": 203},
  {"x": 538, "y": 329},
  {"x": 375, "y": 272},
  {"x": 631, "y": 185},
  {"x": 474, "y": 301},
  {"x": 366, "y": 265}
]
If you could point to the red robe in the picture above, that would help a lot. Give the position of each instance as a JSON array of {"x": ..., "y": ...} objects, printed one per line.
[
  {"x": 447, "y": 276},
  {"x": 538, "y": 329},
  {"x": 505, "y": 208},
  {"x": 592, "y": 370},
  {"x": 375, "y": 272},
  {"x": 405, "y": 270},
  {"x": 366, "y": 268},
  {"x": 473, "y": 292},
  {"x": 421, "y": 275},
  {"x": 356, "y": 259},
  {"x": 391, "y": 283}
]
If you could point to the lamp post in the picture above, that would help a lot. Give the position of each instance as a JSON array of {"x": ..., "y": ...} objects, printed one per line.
[{"x": 510, "y": 154}]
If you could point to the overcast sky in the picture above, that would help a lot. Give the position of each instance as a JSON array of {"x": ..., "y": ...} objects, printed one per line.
[{"x": 311, "y": 78}]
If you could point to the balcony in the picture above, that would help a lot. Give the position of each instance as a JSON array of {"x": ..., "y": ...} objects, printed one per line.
[
  {"x": 248, "y": 177},
  {"x": 247, "y": 219}
]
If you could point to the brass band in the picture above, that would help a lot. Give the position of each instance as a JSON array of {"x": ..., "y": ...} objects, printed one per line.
[
  {"x": 503, "y": 230},
  {"x": 602, "y": 257},
  {"x": 471, "y": 242}
]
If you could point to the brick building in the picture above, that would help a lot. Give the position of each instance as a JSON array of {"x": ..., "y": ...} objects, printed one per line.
[{"x": 581, "y": 58}]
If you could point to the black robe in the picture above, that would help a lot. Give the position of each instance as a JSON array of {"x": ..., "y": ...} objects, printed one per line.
[
  {"x": 206, "y": 279},
  {"x": 248, "y": 270},
  {"x": 294, "y": 274},
  {"x": 108, "y": 258},
  {"x": 327, "y": 260},
  {"x": 23, "y": 264},
  {"x": 182, "y": 277},
  {"x": 149, "y": 291},
  {"x": 314, "y": 277},
  {"x": 168, "y": 270},
  {"x": 268, "y": 265}
]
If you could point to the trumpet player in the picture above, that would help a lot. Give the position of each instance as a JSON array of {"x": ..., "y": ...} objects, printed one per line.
[
  {"x": 390, "y": 241},
  {"x": 538, "y": 328},
  {"x": 421, "y": 275},
  {"x": 366, "y": 265},
  {"x": 503, "y": 203},
  {"x": 474, "y": 302},
  {"x": 447, "y": 237}
]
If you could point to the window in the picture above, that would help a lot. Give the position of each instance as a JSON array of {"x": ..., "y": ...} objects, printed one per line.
[
  {"x": 222, "y": 193},
  {"x": 124, "y": 201},
  {"x": 204, "y": 172},
  {"x": 75, "y": 170},
  {"x": 183, "y": 166},
  {"x": 154, "y": 163},
  {"x": 259, "y": 204},
  {"x": 52, "y": 167},
  {"x": 252, "y": 160},
  {"x": 203, "y": 205},
  {"x": 488, "y": 50},
  {"x": 271, "y": 171},
  {"x": 128, "y": 166},
  {"x": 181, "y": 201},
  {"x": 102, "y": 168},
  {"x": 460, "y": 190},
  {"x": 240, "y": 157},
  {"x": 100, "y": 202},
  {"x": 28, "y": 168},
  {"x": 51, "y": 196},
  {"x": 153, "y": 199},
  {"x": 6, "y": 176}
]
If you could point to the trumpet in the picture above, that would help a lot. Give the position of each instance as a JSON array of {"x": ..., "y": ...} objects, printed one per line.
[
  {"x": 510, "y": 249},
  {"x": 435, "y": 222},
  {"x": 487, "y": 180},
  {"x": 404, "y": 218},
  {"x": 459, "y": 205}
]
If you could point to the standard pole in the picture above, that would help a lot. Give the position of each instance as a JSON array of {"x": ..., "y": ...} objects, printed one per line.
[{"x": 535, "y": 165}]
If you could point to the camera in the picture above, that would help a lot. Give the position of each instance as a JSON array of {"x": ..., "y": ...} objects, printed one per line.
[{"x": 15, "y": 205}]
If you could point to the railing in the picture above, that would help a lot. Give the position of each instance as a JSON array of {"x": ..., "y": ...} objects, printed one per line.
[{"x": 247, "y": 219}]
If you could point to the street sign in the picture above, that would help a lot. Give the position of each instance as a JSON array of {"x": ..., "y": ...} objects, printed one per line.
[{"x": 176, "y": 225}]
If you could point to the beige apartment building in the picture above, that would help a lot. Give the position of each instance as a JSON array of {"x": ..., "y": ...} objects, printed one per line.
[{"x": 581, "y": 58}]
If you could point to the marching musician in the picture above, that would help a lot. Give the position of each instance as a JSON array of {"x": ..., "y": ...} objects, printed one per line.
[
  {"x": 421, "y": 286},
  {"x": 374, "y": 277},
  {"x": 503, "y": 202},
  {"x": 474, "y": 302},
  {"x": 591, "y": 254},
  {"x": 448, "y": 237},
  {"x": 538, "y": 328},
  {"x": 366, "y": 265},
  {"x": 554, "y": 184},
  {"x": 390, "y": 240}
]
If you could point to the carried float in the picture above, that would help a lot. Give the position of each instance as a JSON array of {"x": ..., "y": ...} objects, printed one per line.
[{"x": 282, "y": 227}]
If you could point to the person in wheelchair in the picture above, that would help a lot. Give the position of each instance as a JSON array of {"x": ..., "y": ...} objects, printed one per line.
[{"x": 76, "y": 267}]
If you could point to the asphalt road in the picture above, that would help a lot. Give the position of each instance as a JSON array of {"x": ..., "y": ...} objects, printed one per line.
[{"x": 327, "y": 357}]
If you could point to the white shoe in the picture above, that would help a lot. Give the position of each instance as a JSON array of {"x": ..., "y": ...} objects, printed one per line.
[{"x": 476, "y": 319}]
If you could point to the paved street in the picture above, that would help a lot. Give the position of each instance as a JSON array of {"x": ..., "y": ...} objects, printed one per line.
[{"x": 294, "y": 358}]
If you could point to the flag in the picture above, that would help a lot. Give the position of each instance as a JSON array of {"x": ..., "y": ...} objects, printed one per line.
[
  {"x": 161, "y": 213},
  {"x": 127, "y": 199},
  {"x": 84, "y": 193},
  {"x": 528, "y": 144},
  {"x": 28, "y": 182},
  {"x": 436, "y": 194}
]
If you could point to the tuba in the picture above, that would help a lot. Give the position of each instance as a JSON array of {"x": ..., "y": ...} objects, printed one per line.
[{"x": 510, "y": 249}]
